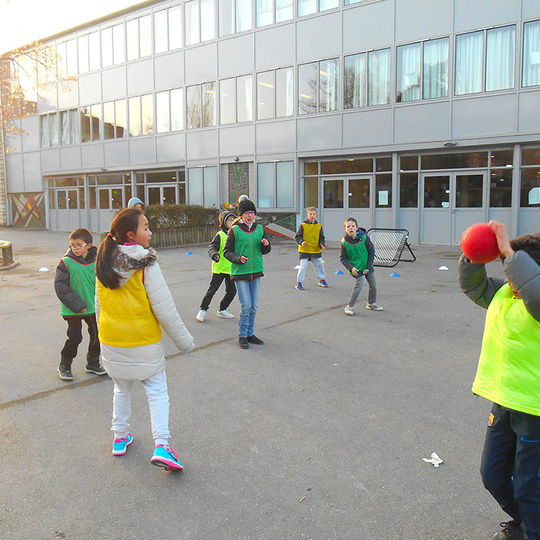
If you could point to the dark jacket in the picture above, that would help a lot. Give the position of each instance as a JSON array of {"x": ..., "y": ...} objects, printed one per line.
[
  {"x": 65, "y": 293},
  {"x": 234, "y": 257},
  {"x": 520, "y": 268},
  {"x": 213, "y": 248},
  {"x": 344, "y": 258},
  {"x": 300, "y": 238}
]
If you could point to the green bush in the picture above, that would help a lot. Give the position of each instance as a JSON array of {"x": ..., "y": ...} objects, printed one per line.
[{"x": 172, "y": 216}]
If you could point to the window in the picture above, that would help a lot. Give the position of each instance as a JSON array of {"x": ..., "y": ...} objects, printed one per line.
[
  {"x": 113, "y": 50},
  {"x": 106, "y": 47},
  {"x": 265, "y": 95},
  {"x": 530, "y": 178},
  {"x": 90, "y": 123},
  {"x": 317, "y": 86},
  {"x": 408, "y": 190},
  {"x": 141, "y": 115},
  {"x": 227, "y": 101},
  {"x": 66, "y": 55},
  {"x": 455, "y": 161},
  {"x": 355, "y": 91},
  {"x": 139, "y": 37},
  {"x": 84, "y": 65},
  {"x": 119, "y": 46},
  {"x": 69, "y": 127},
  {"x": 498, "y": 65},
  {"x": 202, "y": 186},
  {"x": 161, "y": 32},
  {"x": 234, "y": 16},
  {"x": 93, "y": 46},
  {"x": 114, "y": 119},
  {"x": 531, "y": 53},
  {"x": 379, "y": 77},
  {"x": 275, "y": 184},
  {"x": 307, "y": 7},
  {"x": 48, "y": 124},
  {"x": 275, "y": 93},
  {"x": 383, "y": 190},
  {"x": 430, "y": 81},
  {"x": 200, "y": 102},
  {"x": 270, "y": 11},
  {"x": 284, "y": 92},
  {"x": 500, "y": 188},
  {"x": 170, "y": 110},
  {"x": 193, "y": 25},
  {"x": 244, "y": 98}
]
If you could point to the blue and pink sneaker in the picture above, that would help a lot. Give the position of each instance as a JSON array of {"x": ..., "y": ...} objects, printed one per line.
[
  {"x": 119, "y": 447},
  {"x": 166, "y": 457}
]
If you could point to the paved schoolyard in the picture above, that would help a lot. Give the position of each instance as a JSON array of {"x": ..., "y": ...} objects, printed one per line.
[{"x": 318, "y": 434}]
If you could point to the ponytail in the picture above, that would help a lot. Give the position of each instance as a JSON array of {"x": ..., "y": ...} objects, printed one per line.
[{"x": 125, "y": 221}]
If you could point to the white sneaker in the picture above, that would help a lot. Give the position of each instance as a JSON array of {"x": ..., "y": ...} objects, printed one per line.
[
  {"x": 224, "y": 314},
  {"x": 201, "y": 315},
  {"x": 349, "y": 310},
  {"x": 374, "y": 307}
]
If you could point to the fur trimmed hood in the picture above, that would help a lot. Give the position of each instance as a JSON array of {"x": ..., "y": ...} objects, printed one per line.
[{"x": 128, "y": 258}]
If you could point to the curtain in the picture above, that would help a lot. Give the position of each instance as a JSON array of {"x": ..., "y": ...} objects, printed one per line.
[
  {"x": 355, "y": 81},
  {"x": 328, "y": 85},
  {"x": 284, "y": 10},
  {"x": 408, "y": 73},
  {"x": 500, "y": 58},
  {"x": 436, "y": 68},
  {"x": 469, "y": 63},
  {"x": 379, "y": 77},
  {"x": 265, "y": 12},
  {"x": 192, "y": 22},
  {"x": 531, "y": 54},
  {"x": 208, "y": 20},
  {"x": 244, "y": 97}
]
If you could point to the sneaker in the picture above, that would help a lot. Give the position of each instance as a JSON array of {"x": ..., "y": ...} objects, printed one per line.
[
  {"x": 96, "y": 370},
  {"x": 374, "y": 307},
  {"x": 65, "y": 373},
  {"x": 299, "y": 286},
  {"x": 119, "y": 447},
  {"x": 201, "y": 315},
  {"x": 349, "y": 310},
  {"x": 511, "y": 530},
  {"x": 167, "y": 458},
  {"x": 255, "y": 340},
  {"x": 322, "y": 283},
  {"x": 243, "y": 342},
  {"x": 224, "y": 314}
]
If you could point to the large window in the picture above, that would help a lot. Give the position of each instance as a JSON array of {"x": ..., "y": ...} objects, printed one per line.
[
  {"x": 69, "y": 127},
  {"x": 203, "y": 186},
  {"x": 415, "y": 81},
  {"x": 168, "y": 29},
  {"x": 201, "y": 105},
  {"x": 275, "y": 184},
  {"x": 91, "y": 123},
  {"x": 139, "y": 37},
  {"x": 531, "y": 53},
  {"x": 170, "y": 110},
  {"x": 141, "y": 115},
  {"x": 318, "y": 86},
  {"x": 234, "y": 16},
  {"x": 307, "y": 7},
  {"x": 236, "y": 100},
  {"x": 490, "y": 52},
  {"x": 114, "y": 119},
  {"x": 200, "y": 21},
  {"x": 48, "y": 127},
  {"x": 113, "y": 50},
  {"x": 275, "y": 93},
  {"x": 66, "y": 54},
  {"x": 273, "y": 11},
  {"x": 530, "y": 177}
]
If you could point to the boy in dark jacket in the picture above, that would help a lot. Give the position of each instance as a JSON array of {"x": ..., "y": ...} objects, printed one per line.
[
  {"x": 75, "y": 286},
  {"x": 357, "y": 255},
  {"x": 508, "y": 375}
]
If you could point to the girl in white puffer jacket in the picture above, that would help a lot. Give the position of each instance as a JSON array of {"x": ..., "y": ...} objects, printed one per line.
[{"x": 133, "y": 303}]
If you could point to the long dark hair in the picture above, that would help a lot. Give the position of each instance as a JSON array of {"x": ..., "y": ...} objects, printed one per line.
[{"x": 125, "y": 221}]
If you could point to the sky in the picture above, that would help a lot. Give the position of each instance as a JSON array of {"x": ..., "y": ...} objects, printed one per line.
[{"x": 24, "y": 21}]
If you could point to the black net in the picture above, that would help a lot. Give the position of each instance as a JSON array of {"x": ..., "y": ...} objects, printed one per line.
[{"x": 389, "y": 245}]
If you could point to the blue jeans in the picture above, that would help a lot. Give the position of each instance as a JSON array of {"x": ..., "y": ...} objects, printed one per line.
[
  {"x": 319, "y": 268},
  {"x": 248, "y": 294},
  {"x": 511, "y": 465}
]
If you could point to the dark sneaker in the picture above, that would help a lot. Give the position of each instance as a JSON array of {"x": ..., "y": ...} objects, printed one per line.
[
  {"x": 96, "y": 370},
  {"x": 65, "y": 373},
  {"x": 243, "y": 342},
  {"x": 255, "y": 340},
  {"x": 299, "y": 286},
  {"x": 511, "y": 530}
]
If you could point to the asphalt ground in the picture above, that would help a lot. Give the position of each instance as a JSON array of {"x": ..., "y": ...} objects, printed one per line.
[{"x": 318, "y": 434}]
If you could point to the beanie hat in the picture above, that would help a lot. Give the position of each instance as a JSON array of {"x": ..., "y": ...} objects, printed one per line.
[
  {"x": 133, "y": 201},
  {"x": 245, "y": 206},
  {"x": 223, "y": 219}
]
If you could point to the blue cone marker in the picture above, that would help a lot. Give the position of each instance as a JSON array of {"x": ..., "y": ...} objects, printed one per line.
[
  {"x": 394, "y": 274},
  {"x": 189, "y": 253},
  {"x": 339, "y": 273}
]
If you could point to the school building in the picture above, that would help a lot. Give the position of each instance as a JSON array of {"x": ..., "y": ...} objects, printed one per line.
[{"x": 413, "y": 114}]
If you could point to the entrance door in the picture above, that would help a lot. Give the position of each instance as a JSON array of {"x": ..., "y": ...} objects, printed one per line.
[
  {"x": 161, "y": 195},
  {"x": 450, "y": 203},
  {"x": 343, "y": 198}
]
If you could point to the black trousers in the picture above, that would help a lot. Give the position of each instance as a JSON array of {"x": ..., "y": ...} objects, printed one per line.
[
  {"x": 74, "y": 338},
  {"x": 230, "y": 291},
  {"x": 511, "y": 465}
]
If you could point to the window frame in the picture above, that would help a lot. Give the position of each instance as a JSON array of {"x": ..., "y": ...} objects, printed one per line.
[{"x": 275, "y": 164}]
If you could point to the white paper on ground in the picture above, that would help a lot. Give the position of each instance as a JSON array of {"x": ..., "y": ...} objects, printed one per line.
[{"x": 434, "y": 459}]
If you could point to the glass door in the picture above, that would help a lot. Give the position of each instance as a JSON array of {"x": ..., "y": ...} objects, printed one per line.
[
  {"x": 470, "y": 202},
  {"x": 359, "y": 202},
  {"x": 161, "y": 195},
  {"x": 436, "y": 213},
  {"x": 333, "y": 214}
]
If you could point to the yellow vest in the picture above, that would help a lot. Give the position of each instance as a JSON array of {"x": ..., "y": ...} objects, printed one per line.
[
  {"x": 509, "y": 367},
  {"x": 311, "y": 238},
  {"x": 126, "y": 318}
]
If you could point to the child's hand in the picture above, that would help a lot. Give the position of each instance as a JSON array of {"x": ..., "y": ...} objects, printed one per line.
[
  {"x": 216, "y": 257},
  {"x": 83, "y": 310},
  {"x": 322, "y": 247},
  {"x": 304, "y": 244},
  {"x": 503, "y": 242},
  {"x": 243, "y": 259},
  {"x": 264, "y": 242},
  {"x": 365, "y": 272},
  {"x": 354, "y": 272}
]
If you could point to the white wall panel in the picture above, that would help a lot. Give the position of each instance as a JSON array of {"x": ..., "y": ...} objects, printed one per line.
[
  {"x": 14, "y": 173},
  {"x": 142, "y": 150},
  {"x": 140, "y": 77},
  {"x": 368, "y": 27},
  {"x": 202, "y": 145},
  {"x": 70, "y": 158},
  {"x": 418, "y": 19},
  {"x": 32, "y": 172},
  {"x": 114, "y": 83},
  {"x": 274, "y": 47},
  {"x": 473, "y": 14},
  {"x": 422, "y": 122},
  {"x": 201, "y": 64},
  {"x": 276, "y": 137},
  {"x": 237, "y": 141},
  {"x": 319, "y": 37},
  {"x": 169, "y": 71},
  {"x": 319, "y": 133},
  {"x": 235, "y": 56},
  {"x": 367, "y": 128},
  {"x": 116, "y": 153},
  {"x": 92, "y": 156},
  {"x": 90, "y": 88},
  {"x": 171, "y": 148}
]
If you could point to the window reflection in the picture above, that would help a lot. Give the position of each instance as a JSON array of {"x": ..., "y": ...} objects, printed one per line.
[{"x": 333, "y": 194}]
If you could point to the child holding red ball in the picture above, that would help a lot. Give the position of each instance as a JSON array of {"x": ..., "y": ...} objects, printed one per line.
[{"x": 508, "y": 374}]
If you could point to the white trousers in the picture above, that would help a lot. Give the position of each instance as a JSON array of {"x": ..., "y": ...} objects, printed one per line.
[
  {"x": 158, "y": 402},
  {"x": 319, "y": 268}
]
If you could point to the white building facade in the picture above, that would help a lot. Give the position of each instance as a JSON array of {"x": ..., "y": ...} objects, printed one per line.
[{"x": 401, "y": 113}]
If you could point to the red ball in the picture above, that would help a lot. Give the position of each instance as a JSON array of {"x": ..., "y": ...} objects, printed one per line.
[{"x": 479, "y": 243}]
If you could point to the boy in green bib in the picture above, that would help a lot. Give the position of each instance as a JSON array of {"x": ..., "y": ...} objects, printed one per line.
[
  {"x": 357, "y": 255},
  {"x": 508, "y": 375},
  {"x": 75, "y": 286}
]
